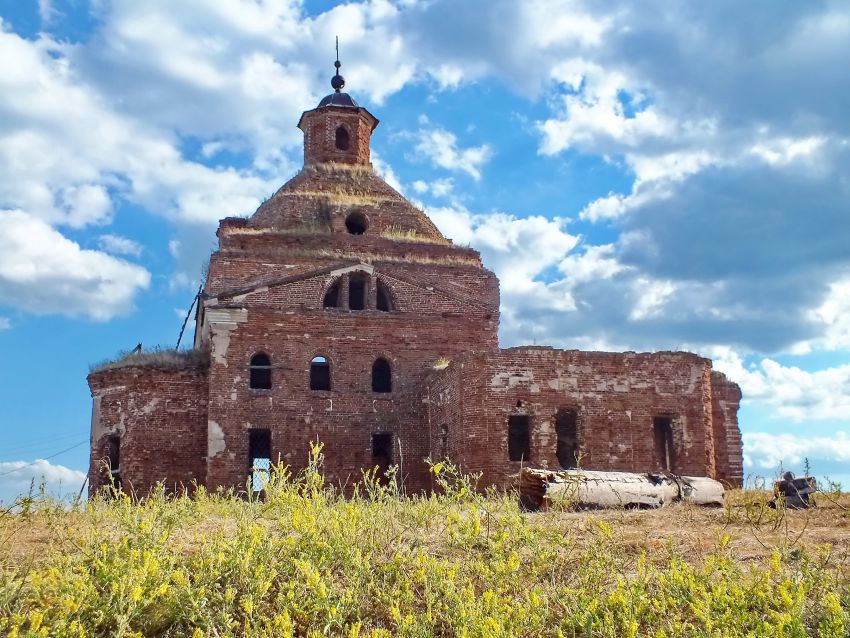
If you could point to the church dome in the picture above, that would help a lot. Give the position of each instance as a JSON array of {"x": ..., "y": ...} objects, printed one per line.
[
  {"x": 338, "y": 190},
  {"x": 338, "y": 99}
]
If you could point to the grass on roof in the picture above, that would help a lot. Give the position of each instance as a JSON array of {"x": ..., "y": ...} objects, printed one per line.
[
  {"x": 410, "y": 234},
  {"x": 158, "y": 357}
]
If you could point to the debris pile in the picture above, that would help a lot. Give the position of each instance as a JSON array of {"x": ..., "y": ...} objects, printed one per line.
[{"x": 794, "y": 491}]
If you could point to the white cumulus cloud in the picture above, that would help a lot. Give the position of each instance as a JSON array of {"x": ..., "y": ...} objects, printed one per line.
[
  {"x": 119, "y": 245},
  {"x": 16, "y": 478},
  {"x": 44, "y": 272},
  {"x": 767, "y": 451},
  {"x": 791, "y": 392},
  {"x": 441, "y": 147}
]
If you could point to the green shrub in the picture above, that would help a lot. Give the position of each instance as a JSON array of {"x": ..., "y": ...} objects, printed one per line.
[{"x": 306, "y": 561}]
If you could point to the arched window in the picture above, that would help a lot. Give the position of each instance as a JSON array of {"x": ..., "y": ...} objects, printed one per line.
[
  {"x": 382, "y": 376},
  {"x": 342, "y": 139},
  {"x": 320, "y": 374},
  {"x": 261, "y": 372},
  {"x": 384, "y": 301},
  {"x": 331, "y": 299}
]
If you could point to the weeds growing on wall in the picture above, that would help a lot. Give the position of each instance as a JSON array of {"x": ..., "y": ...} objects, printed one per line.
[{"x": 305, "y": 561}]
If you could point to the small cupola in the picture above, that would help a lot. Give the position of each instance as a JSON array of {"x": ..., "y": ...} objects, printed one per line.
[{"x": 337, "y": 130}]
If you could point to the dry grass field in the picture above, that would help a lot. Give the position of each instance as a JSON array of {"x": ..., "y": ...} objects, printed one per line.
[{"x": 307, "y": 562}]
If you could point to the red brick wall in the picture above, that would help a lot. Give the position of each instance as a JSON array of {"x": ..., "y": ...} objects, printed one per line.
[
  {"x": 616, "y": 396},
  {"x": 726, "y": 398},
  {"x": 161, "y": 417},
  {"x": 320, "y": 125},
  {"x": 444, "y": 303},
  {"x": 425, "y": 328}
]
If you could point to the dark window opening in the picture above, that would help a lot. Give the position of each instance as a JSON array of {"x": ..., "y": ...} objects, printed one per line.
[
  {"x": 357, "y": 292},
  {"x": 663, "y": 435},
  {"x": 519, "y": 441},
  {"x": 259, "y": 459},
  {"x": 382, "y": 449},
  {"x": 113, "y": 455},
  {"x": 566, "y": 428},
  {"x": 331, "y": 299},
  {"x": 383, "y": 301},
  {"x": 342, "y": 138},
  {"x": 320, "y": 374},
  {"x": 356, "y": 224},
  {"x": 382, "y": 376},
  {"x": 444, "y": 441},
  {"x": 261, "y": 372}
]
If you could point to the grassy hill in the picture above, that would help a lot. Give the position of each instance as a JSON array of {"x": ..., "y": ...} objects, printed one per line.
[{"x": 307, "y": 562}]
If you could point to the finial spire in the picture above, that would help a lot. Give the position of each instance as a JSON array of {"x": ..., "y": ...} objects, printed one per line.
[{"x": 337, "y": 81}]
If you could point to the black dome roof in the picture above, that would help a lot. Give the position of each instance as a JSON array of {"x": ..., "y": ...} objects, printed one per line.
[{"x": 338, "y": 99}]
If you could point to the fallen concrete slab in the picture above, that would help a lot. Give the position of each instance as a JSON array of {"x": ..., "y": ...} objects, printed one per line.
[{"x": 540, "y": 488}]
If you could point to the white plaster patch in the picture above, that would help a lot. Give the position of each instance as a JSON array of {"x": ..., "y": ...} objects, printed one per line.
[
  {"x": 221, "y": 342},
  {"x": 622, "y": 385},
  {"x": 221, "y": 321},
  {"x": 357, "y": 267},
  {"x": 150, "y": 405},
  {"x": 96, "y": 428},
  {"x": 511, "y": 379},
  {"x": 215, "y": 440},
  {"x": 564, "y": 384},
  {"x": 244, "y": 295},
  {"x": 696, "y": 377}
]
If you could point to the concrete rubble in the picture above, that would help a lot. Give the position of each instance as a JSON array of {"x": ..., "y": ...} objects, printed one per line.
[{"x": 541, "y": 488}]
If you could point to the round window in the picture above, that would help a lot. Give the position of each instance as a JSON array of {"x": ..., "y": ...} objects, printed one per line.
[{"x": 356, "y": 223}]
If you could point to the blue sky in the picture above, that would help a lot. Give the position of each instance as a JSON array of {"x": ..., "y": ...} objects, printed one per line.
[{"x": 640, "y": 178}]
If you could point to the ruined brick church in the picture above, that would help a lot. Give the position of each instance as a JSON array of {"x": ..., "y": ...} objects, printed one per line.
[{"x": 339, "y": 313}]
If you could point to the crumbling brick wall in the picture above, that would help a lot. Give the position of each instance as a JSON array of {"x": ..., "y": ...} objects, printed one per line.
[
  {"x": 160, "y": 417},
  {"x": 444, "y": 303},
  {"x": 616, "y": 397},
  {"x": 337, "y": 222},
  {"x": 726, "y": 399}
]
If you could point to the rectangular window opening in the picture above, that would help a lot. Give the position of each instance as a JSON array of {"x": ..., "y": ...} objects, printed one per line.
[
  {"x": 662, "y": 427},
  {"x": 113, "y": 453},
  {"x": 566, "y": 429},
  {"x": 382, "y": 449},
  {"x": 356, "y": 293},
  {"x": 320, "y": 376},
  {"x": 259, "y": 458},
  {"x": 444, "y": 441},
  {"x": 519, "y": 441},
  {"x": 261, "y": 378}
]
